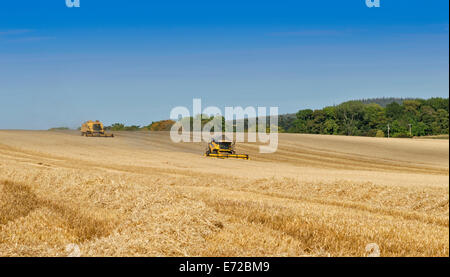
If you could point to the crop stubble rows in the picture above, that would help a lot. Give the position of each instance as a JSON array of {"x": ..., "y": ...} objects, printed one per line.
[{"x": 122, "y": 198}]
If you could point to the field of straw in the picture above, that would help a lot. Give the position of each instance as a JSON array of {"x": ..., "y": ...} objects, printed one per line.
[{"x": 139, "y": 194}]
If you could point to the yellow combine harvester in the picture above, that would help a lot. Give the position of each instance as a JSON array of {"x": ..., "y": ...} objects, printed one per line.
[
  {"x": 223, "y": 148},
  {"x": 94, "y": 129}
]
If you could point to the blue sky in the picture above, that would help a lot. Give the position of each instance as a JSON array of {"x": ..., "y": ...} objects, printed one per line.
[{"x": 133, "y": 61}]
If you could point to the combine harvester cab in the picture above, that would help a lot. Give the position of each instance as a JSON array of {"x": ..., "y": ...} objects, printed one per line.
[
  {"x": 223, "y": 148},
  {"x": 94, "y": 129}
]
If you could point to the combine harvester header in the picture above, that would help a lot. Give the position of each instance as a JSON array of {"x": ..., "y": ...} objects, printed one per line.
[{"x": 222, "y": 147}]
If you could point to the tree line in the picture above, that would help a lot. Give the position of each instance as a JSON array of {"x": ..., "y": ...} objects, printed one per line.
[
  {"x": 412, "y": 117},
  {"x": 368, "y": 117},
  {"x": 163, "y": 125}
]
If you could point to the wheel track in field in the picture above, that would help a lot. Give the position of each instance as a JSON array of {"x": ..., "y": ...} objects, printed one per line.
[
  {"x": 337, "y": 160},
  {"x": 422, "y": 217},
  {"x": 282, "y": 214}
]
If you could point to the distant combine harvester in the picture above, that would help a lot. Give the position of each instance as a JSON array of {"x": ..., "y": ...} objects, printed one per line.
[{"x": 94, "y": 129}]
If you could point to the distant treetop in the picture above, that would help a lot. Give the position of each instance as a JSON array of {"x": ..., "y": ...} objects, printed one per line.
[{"x": 384, "y": 101}]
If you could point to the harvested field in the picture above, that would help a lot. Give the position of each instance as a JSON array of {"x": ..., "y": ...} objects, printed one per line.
[{"x": 139, "y": 194}]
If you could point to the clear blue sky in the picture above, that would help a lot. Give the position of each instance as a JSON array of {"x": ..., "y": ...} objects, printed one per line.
[{"x": 132, "y": 61}]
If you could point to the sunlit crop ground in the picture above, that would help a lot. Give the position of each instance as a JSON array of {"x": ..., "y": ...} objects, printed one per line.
[{"x": 139, "y": 194}]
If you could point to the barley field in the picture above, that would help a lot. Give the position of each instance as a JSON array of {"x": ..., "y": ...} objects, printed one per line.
[{"x": 139, "y": 194}]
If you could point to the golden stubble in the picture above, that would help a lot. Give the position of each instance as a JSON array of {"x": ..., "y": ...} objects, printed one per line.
[{"x": 141, "y": 195}]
